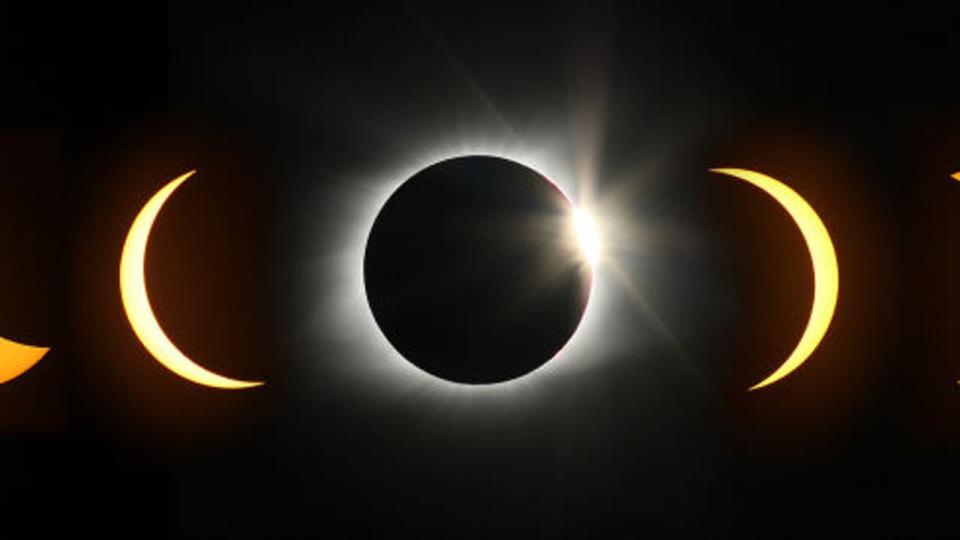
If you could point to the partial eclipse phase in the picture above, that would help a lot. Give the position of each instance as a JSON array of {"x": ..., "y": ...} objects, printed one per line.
[
  {"x": 826, "y": 274},
  {"x": 136, "y": 303},
  {"x": 16, "y": 359}
]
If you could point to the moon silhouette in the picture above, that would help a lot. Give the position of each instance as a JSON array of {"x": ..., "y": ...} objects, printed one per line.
[
  {"x": 16, "y": 358},
  {"x": 825, "y": 271},
  {"x": 477, "y": 271},
  {"x": 136, "y": 303}
]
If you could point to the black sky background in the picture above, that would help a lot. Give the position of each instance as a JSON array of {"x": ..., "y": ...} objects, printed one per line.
[{"x": 284, "y": 108}]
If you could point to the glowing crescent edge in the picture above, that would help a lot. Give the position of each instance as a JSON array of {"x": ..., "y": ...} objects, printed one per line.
[
  {"x": 17, "y": 358},
  {"x": 826, "y": 273},
  {"x": 133, "y": 291}
]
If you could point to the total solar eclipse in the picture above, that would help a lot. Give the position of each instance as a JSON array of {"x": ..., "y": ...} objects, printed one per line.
[{"x": 476, "y": 269}]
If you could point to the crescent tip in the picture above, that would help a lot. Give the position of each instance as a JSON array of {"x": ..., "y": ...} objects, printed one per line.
[
  {"x": 762, "y": 384},
  {"x": 955, "y": 176},
  {"x": 183, "y": 177}
]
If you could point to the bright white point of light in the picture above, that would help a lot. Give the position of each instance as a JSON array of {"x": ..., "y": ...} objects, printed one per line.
[{"x": 587, "y": 236}]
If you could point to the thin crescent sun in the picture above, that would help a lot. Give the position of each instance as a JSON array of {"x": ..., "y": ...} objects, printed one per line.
[
  {"x": 133, "y": 291},
  {"x": 16, "y": 358},
  {"x": 825, "y": 270}
]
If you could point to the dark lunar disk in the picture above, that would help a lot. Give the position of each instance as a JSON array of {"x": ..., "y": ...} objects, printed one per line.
[{"x": 473, "y": 271}]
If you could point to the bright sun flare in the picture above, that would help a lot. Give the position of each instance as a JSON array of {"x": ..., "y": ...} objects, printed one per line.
[{"x": 586, "y": 229}]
